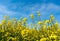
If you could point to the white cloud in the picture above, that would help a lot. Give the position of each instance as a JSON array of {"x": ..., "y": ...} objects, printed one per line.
[
  {"x": 48, "y": 9},
  {"x": 5, "y": 11},
  {"x": 43, "y": 8}
]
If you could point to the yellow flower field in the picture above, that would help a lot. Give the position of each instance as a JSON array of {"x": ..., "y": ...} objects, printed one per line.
[{"x": 18, "y": 30}]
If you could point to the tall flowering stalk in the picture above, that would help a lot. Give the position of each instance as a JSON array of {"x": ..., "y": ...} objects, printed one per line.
[{"x": 17, "y": 30}]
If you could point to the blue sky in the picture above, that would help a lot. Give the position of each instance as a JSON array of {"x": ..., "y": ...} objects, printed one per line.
[{"x": 23, "y": 8}]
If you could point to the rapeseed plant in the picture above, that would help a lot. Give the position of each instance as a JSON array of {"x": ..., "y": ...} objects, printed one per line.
[{"x": 18, "y": 30}]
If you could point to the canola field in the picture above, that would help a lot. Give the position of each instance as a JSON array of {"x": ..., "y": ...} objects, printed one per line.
[{"x": 19, "y": 30}]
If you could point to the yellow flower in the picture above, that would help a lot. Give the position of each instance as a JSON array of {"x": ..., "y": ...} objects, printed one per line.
[
  {"x": 49, "y": 27},
  {"x": 43, "y": 39},
  {"x": 40, "y": 22},
  {"x": 53, "y": 36},
  {"x": 2, "y": 30},
  {"x": 32, "y": 16},
  {"x": 9, "y": 23},
  {"x": 58, "y": 30},
  {"x": 24, "y": 32},
  {"x": 47, "y": 21},
  {"x": 56, "y": 24},
  {"x": 55, "y": 40},
  {"x": 6, "y": 33},
  {"x": 5, "y": 17},
  {"x": 37, "y": 40},
  {"x": 25, "y": 19},
  {"x": 42, "y": 35},
  {"x": 3, "y": 21},
  {"x": 52, "y": 17},
  {"x": 14, "y": 39},
  {"x": 44, "y": 27},
  {"x": 38, "y": 13}
]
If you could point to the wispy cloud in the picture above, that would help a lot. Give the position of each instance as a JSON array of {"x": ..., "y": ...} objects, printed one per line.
[
  {"x": 26, "y": 10},
  {"x": 45, "y": 9},
  {"x": 5, "y": 11}
]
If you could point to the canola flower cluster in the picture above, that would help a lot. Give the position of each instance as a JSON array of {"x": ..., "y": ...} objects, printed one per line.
[{"x": 17, "y": 30}]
